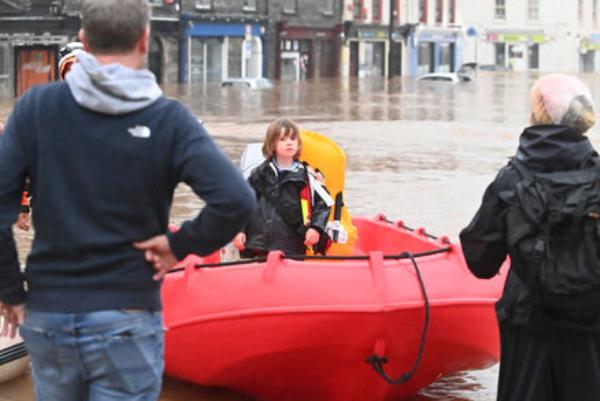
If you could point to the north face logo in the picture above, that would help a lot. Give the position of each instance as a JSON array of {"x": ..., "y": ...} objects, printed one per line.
[{"x": 139, "y": 131}]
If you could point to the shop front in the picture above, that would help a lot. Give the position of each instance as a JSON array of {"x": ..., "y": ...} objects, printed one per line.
[
  {"x": 27, "y": 60},
  {"x": 216, "y": 51},
  {"x": 518, "y": 51},
  {"x": 307, "y": 53},
  {"x": 434, "y": 50},
  {"x": 589, "y": 50},
  {"x": 367, "y": 54}
]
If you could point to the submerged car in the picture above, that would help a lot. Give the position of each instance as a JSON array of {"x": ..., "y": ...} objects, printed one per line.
[
  {"x": 252, "y": 83},
  {"x": 450, "y": 77}
]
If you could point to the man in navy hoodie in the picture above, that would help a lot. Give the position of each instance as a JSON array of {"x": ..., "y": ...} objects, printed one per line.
[{"x": 104, "y": 152}]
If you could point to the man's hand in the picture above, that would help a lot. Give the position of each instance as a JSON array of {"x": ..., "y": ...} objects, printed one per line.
[
  {"x": 311, "y": 237},
  {"x": 12, "y": 317},
  {"x": 23, "y": 221},
  {"x": 158, "y": 252},
  {"x": 240, "y": 241}
]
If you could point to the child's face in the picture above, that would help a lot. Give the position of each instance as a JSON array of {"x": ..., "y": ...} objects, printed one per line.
[{"x": 287, "y": 145}]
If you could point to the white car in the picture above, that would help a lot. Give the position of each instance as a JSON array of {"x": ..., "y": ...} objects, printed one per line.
[
  {"x": 252, "y": 83},
  {"x": 450, "y": 77}
]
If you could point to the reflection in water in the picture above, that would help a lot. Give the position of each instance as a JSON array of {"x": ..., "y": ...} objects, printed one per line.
[{"x": 421, "y": 152}]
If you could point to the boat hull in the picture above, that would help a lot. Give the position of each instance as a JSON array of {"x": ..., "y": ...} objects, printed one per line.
[{"x": 287, "y": 330}]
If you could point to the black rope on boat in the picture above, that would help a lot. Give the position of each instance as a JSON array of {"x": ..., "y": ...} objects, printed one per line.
[
  {"x": 377, "y": 362},
  {"x": 262, "y": 259},
  {"x": 13, "y": 353}
]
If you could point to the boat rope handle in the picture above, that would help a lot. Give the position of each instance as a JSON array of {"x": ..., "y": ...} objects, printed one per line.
[
  {"x": 262, "y": 259},
  {"x": 377, "y": 361}
]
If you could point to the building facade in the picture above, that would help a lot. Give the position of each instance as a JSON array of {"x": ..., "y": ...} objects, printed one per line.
[
  {"x": 548, "y": 35},
  {"x": 437, "y": 41},
  {"x": 31, "y": 32},
  {"x": 222, "y": 39},
  {"x": 304, "y": 39}
]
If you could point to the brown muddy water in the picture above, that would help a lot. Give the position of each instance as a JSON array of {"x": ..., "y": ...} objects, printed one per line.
[{"x": 418, "y": 152}]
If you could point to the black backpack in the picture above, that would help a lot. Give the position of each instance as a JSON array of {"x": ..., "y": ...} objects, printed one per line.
[{"x": 553, "y": 230}]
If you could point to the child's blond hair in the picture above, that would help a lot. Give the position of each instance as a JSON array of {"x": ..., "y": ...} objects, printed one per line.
[{"x": 278, "y": 128}]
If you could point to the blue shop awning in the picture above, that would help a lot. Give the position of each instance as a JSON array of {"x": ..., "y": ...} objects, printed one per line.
[{"x": 223, "y": 29}]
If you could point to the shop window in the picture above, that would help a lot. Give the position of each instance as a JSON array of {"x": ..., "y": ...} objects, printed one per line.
[
  {"x": 439, "y": 11},
  {"x": 289, "y": 6},
  {"x": 533, "y": 10},
  {"x": 249, "y": 5},
  {"x": 500, "y": 49},
  {"x": 423, "y": 11},
  {"x": 357, "y": 8},
  {"x": 451, "y": 4},
  {"x": 376, "y": 12},
  {"x": 500, "y": 9},
  {"x": 327, "y": 7},
  {"x": 203, "y": 4},
  {"x": 425, "y": 58},
  {"x": 534, "y": 56}
]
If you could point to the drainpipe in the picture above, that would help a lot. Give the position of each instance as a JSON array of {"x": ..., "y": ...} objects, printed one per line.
[{"x": 390, "y": 38}]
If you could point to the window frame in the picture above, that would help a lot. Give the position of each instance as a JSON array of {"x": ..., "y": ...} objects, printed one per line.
[
  {"x": 249, "y": 7},
  {"x": 533, "y": 6},
  {"x": 423, "y": 11},
  {"x": 287, "y": 10},
  {"x": 439, "y": 11},
  {"x": 199, "y": 5},
  {"x": 500, "y": 10}
]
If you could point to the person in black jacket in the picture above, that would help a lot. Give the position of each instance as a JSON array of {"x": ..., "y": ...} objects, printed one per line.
[
  {"x": 291, "y": 214},
  {"x": 544, "y": 356}
]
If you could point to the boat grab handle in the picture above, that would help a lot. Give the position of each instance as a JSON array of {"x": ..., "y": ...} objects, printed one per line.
[{"x": 377, "y": 361}]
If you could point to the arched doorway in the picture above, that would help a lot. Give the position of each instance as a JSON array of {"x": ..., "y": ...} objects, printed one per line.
[{"x": 155, "y": 58}]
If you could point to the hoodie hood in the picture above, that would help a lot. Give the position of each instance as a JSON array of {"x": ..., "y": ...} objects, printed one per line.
[
  {"x": 112, "y": 88},
  {"x": 553, "y": 147}
]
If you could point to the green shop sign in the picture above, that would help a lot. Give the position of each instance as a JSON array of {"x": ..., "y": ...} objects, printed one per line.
[{"x": 517, "y": 38}]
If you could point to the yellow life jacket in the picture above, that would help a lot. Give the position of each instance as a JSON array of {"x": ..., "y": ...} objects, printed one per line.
[{"x": 324, "y": 155}]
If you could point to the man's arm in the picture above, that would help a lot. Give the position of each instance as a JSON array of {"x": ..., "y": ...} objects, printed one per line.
[
  {"x": 212, "y": 176},
  {"x": 13, "y": 167}
]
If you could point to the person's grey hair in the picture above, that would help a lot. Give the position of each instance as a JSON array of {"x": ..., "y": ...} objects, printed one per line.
[{"x": 114, "y": 26}]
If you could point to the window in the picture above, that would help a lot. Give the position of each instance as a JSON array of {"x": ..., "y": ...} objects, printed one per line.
[
  {"x": 451, "y": 11},
  {"x": 289, "y": 6},
  {"x": 423, "y": 11},
  {"x": 533, "y": 10},
  {"x": 249, "y": 5},
  {"x": 500, "y": 9},
  {"x": 203, "y": 4},
  {"x": 357, "y": 9},
  {"x": 439, "y": 11},
  {"x": 155, "y": 3},
  {"x": 376, "y": 9},
  {"x": 327, "y": 7}
]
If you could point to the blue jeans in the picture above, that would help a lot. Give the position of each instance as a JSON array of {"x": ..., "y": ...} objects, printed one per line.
[{"x": 96, "y": 356}]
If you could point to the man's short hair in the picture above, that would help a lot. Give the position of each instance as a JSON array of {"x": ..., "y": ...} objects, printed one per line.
[{"x": 114, "y": 26}]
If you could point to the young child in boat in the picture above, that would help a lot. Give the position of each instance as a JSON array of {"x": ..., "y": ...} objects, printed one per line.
[{"x": 292, "y": 205}]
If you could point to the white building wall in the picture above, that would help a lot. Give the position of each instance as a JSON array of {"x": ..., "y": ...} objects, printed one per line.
[{"x": 558, "y": 21}]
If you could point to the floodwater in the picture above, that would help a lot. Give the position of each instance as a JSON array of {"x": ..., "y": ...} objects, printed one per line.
[{"x": 418, "y": 152}]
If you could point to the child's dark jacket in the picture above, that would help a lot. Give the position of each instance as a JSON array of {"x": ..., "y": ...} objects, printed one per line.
[{"x": 267, "y": 230}]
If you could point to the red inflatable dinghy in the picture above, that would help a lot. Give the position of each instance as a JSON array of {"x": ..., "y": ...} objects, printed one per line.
[{"x": 403, "y": 308}]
